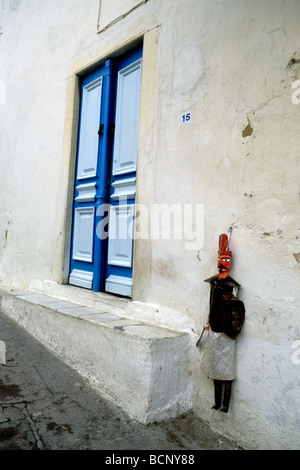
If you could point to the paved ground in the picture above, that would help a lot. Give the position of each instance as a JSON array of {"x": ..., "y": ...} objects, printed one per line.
[{"x": 46, "y": 405}]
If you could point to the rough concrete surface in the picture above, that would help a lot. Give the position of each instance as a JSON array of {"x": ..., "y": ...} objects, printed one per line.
[{"x": 46, "y": 405}]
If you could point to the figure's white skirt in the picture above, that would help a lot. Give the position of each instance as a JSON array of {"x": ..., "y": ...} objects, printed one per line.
[{"x": 218, "y": 361}]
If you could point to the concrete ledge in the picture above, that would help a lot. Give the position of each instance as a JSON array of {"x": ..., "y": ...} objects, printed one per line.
[
  {"x": 144, "y": 312},
  {"x": 145, "y": 369}
]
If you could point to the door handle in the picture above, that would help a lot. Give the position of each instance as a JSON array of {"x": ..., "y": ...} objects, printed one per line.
[{"x": 100, "y": 131}]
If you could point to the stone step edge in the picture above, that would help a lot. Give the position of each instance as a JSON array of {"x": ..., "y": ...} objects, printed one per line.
[{"x": 95, "y": 316}]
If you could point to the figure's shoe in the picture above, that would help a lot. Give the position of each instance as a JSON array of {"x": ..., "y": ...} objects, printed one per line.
[
  {"x": 224, "y": 409},
  {"x": 215, "y": 407}
]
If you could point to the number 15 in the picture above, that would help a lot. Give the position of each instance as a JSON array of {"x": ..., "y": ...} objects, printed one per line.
[{"x": 185, "y": 118}]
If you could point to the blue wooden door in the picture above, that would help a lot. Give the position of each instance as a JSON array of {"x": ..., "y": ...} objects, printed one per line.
[
  {"x": 123, "y": 174},
  {"x": 102, "y": 254}
]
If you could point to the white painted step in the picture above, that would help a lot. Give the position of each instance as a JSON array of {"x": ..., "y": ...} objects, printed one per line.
[{"x": 145, "y": 369}]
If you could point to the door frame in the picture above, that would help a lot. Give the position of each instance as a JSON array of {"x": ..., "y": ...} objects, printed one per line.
[{"x": 147, "y": 136}]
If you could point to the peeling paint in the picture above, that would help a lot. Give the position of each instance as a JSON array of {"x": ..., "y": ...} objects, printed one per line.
[
  {"x": 297, "y": 257},
  {"x": 248, "y": 130}
]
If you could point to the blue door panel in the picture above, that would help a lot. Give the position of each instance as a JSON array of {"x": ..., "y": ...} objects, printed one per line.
[{"x": 89, "y": 267}]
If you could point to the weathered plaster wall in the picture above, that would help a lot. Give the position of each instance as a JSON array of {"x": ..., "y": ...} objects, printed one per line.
[
  {"x": 240, "y": 158},
  {"x": 225, "y": 62},
  {"x": 38, "y": 40}
]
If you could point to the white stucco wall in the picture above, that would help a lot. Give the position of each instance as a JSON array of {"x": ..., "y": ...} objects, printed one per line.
[{"x": 226, "y": 63}]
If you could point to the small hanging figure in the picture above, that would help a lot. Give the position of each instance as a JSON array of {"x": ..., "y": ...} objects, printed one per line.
[{"x": 226, "y": 317}]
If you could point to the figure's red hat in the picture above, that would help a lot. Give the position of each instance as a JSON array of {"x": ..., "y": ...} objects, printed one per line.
[{"x": 223, "y": 245}]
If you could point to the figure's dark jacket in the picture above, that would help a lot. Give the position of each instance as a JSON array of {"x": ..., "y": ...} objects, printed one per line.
[{"x": 226, "y": 312}]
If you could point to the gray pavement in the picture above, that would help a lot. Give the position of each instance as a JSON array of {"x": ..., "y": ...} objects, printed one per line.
[{"x": 46, "y": 405}]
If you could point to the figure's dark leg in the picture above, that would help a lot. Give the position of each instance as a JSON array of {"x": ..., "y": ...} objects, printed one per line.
[
  {"x": 218, "y": 394},
  {"x": 227, "y": 394}
]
